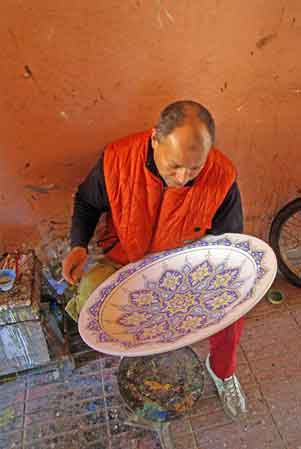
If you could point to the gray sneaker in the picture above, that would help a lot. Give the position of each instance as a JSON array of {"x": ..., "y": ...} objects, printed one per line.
[{"x": 231, "y": 394}]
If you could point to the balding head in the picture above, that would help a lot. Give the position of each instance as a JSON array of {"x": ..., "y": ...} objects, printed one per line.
[
  {"x": 182, "y": 140},
  {"x": 176, "y": 114}
]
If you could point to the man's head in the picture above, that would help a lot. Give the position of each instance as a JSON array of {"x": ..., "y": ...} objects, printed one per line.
[{"x": 181, "y": 140}]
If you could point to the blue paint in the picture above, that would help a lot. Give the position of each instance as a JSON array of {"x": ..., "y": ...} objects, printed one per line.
[{"x": 92, "y": 407}]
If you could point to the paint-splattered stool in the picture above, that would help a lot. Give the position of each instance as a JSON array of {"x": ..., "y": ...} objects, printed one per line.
[{"x": 160, "y": 388}]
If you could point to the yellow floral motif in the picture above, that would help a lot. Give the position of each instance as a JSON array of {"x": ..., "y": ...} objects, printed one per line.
[
  {"x": 222, "y": 280},
  {"x": 180, "y": 303},
  {"x": 221, "y": 300},
  {"x": 151, "y": 332},
  {"x": 190, "y": 323},
  {"x": 200, "y": 273},
  {"x": 134, "y": 319},
  {"x": 170, "y": 281},
  {"x": 144, "y": 299}
]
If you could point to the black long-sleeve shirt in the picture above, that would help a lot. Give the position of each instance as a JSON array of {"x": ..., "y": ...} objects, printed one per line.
[{"x": 91, "y": 200}]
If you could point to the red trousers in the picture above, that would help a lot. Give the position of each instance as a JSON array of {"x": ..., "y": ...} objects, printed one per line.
[{"x": 223, "y": 347}]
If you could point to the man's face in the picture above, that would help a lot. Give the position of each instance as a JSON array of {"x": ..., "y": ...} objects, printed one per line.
[{"x": 181, "y": 155}]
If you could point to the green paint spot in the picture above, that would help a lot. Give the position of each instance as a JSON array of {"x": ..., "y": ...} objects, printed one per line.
[{"x": 7, "y": 416}]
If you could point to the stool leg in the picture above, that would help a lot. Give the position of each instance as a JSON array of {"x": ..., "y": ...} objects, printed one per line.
[
  {"x": 162, "y": 429},
  {"x": 165, "y": 436}
]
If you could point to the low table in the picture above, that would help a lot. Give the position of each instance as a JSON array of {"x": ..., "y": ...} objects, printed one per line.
[
  {"x": 22, "y": 341},
  {"x": 29, "y": 335}
]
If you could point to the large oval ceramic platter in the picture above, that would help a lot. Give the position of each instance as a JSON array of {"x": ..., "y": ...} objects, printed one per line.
[{"x": 175, "y": 298}]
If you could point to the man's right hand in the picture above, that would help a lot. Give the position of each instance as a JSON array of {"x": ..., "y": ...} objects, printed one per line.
[{"x": 73, "y": 264}]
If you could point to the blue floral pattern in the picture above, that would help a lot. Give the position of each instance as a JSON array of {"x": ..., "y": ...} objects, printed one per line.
[{"x": 181, "y": 301}]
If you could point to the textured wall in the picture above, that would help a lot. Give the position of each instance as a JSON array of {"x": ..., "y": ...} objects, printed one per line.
[{"x": 75, "y": 75}]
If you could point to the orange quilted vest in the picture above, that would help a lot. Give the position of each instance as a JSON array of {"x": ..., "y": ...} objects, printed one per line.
[{"x": 144, "y": 216}]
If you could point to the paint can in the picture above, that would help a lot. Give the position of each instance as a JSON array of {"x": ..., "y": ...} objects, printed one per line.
[{"x": 7, "y": 279}]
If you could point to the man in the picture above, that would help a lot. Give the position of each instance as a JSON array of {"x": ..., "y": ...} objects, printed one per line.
[{"x": 161, "y": 189}]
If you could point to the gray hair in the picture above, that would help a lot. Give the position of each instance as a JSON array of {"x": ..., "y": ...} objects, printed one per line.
[{"x": 175, "y": 114}]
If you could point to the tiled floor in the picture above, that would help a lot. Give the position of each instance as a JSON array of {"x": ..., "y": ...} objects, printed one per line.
[{"x": 56, "y": 408}]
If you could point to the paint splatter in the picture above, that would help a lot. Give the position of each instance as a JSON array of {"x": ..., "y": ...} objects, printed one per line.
[
  {"x": 162, "y": 387},
  {"x": 27, "y": 72},
  {"x": 64, "y": 115},
  {"x": 163, "y": 10},
  {"x": 41, "y": 189},
  {"x": 265, "y": 40},
  {"x": 224, "y": 86},
  {"x": 7, "y": 416}
]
